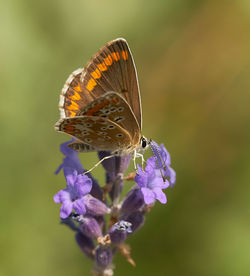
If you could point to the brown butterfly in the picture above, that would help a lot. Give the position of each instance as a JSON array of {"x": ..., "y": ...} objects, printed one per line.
[{"x": 100, "y": 105}]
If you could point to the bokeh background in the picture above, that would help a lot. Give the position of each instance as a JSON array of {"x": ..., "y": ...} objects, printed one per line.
[{"x": 193, "y": 62}]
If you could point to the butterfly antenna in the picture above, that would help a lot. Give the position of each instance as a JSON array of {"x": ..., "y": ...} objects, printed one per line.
[
  {"x": 158, "y": 156},
  {"x": 98, "y": 163}
]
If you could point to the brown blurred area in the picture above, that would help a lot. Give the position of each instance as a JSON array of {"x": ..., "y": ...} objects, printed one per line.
[{"x": 193, "y": 62}]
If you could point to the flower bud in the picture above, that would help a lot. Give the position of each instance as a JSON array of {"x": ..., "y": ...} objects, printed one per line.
[
  {"x": 90, "y": 227},
  {"x": 116, "y": 164},
  {"x": 118, "y": 232},
  {"x": 103, "y": 256},
  {"x": 136, "y": 219},
  {"x": 86, "y": 244},
  {"x": 94, "y": 206},
  {"x": 96, "y": 190},
  {"x": 133, "y": 201}
]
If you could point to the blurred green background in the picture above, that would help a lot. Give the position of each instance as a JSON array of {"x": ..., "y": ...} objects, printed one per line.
[{"x": 193, "y": 62}]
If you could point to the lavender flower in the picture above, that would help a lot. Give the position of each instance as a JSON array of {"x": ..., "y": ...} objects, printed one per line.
[
  {"x": 84, "y": 204},
  {"x": 151, "y": 184},
  {"x": 72, "y": 161},
  {"x": 78, "y": 186}
]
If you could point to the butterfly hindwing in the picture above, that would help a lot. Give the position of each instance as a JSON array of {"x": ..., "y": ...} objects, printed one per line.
[
  {"x": 78, "y": 146},
  {"x": 114, "y": 107},
  {"x": 100, "y": 133}
]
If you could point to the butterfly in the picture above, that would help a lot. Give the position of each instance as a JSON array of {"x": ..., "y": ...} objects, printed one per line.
[{"x": 100, "y": 104}]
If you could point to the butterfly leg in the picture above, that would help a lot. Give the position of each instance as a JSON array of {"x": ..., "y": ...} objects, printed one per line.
[
  {"x": 98, "y": 163},
  {"x": 134, "y": 157},
  {"x": 142, "y": 158},
  {"x": 137, "y": 155}
]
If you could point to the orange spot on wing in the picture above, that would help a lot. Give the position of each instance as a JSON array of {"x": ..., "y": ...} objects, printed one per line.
[
  {"x": 125, "y": 55},
  {"x": 116, "y": 56},
  {"x": 75, "y": 97},
  {"x": 115, "y": 100},
  {"x": 91, "y": 84},
  {"x": 78, "y": 88},
  {"x": 71, "y": 132},
  {"x": 89, "y": 121},
  {"x": 77, "y": 121},
  {"x": 100, "y": 121},
  {"x": 73, "y": 106},
  {"x": 108, "y": 60},
  {"x": 102, "y": 66},
  {"x": 96, "y": 74},
  {"x": 68, "y": 128},
  {"x": 96, "y": 108},
  {"x": 72, "y": 114}
]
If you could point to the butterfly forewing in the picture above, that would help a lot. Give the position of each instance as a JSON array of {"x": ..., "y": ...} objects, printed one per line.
[
  {"x": 98, "y": 132},
  {"x": 111, "y": 69}
]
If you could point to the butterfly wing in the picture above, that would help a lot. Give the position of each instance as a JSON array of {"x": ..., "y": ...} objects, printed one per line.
[
  {"x": 81, "y": 147},
  {"x": 97, "y": 132},
  {"x": 115, "y": 108},
  {"x": 111, "y": 69}
]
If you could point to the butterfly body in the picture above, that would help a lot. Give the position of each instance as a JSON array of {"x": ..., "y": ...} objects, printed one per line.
[{"x": 100, "y": 105}]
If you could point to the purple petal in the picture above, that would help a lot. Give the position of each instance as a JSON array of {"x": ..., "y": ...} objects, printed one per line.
[
  {"x": 66, "y": 209},
  {"x": 70, "y": 175},
  {"x": 158, "y": 182},
  {"x": 149, "y": 196},
  {"x": 151, "y": 164},
  {"x": 83, "y": 185},
  {"x": 58, "y": 169},
  {"x": 79, "y": 206},
  {"x": 160, "y": 195},
  {"x": 165, "y": 155},
  {"x": 66, "y": 150},
  {"x": 141, "y": 177},
  {"x": 172, "y": 174},
  {"x": 61, "y": 196}
]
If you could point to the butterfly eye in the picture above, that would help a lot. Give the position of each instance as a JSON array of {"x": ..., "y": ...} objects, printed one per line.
[{"x": 144, "y": 142}]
